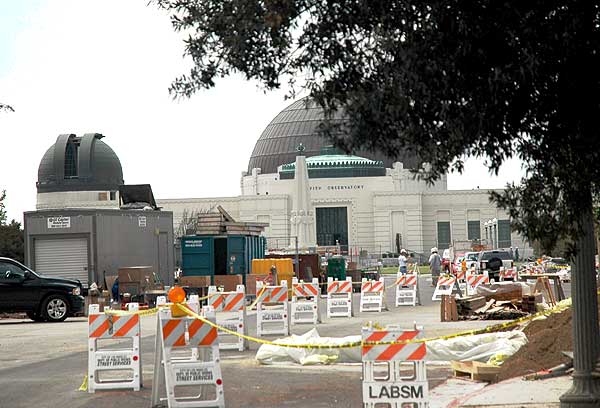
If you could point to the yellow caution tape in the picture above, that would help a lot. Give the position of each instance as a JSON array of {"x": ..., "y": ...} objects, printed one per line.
[
  {"x": 258, "y": 295},
  {"x": 84, "y": 384}
]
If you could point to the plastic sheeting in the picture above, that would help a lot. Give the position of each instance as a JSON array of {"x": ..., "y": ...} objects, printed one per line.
[{"x": 489, "y": 347}]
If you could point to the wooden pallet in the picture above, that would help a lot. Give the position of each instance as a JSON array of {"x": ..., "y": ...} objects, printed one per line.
[{"x": 475, "y": 370}]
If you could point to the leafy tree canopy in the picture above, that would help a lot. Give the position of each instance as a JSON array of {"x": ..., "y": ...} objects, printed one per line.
[
  {"x": 445, "y": 80},
  {"x": 2, "y": 207}
]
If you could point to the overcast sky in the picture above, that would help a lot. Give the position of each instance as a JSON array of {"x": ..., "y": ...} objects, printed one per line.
[{"x": 105, "y": 66}]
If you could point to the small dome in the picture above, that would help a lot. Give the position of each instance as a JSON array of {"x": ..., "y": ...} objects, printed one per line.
[
  {"x": 298, "y": 123},
  {"x": 83, "y": 163}
]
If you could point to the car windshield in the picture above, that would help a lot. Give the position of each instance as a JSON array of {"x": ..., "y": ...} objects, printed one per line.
[{"x": 495, "y": 254}]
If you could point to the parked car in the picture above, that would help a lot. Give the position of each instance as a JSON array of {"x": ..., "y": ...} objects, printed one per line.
[
  {"x": 492, "y": 261},
  {"x": 43, "y": 298}
]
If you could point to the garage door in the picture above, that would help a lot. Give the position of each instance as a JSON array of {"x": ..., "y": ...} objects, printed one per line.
[{"x": 64, "y": 258}]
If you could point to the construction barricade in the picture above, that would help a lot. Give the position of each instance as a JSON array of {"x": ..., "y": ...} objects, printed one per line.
[
  {"x": 305, "y": 302},
  {"x": 114, "y": 368},
  {"x": 231, "y": 314},
  {"x": 406, "y": 290},
  {"x": 508, "y": 274},
  {"x": 475, "y": 280},
  {"x": 383, "y": 382},
  {"x": 187, "y": 357},
  {"x": 339, "y": 298},
  {"x": 272, "y": 309},
  {"x": 444, "y": 286},
  {"x": 371, "y": 295}
]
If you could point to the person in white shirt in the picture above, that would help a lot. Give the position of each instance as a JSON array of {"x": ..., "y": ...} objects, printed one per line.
[{"x": 402, "y": 261}]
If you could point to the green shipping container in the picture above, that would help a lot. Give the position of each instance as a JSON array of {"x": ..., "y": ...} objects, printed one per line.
[{"x": 336, "y": 267}]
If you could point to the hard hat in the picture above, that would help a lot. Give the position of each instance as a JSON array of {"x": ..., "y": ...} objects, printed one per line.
[{"x": 434, "y": 249}]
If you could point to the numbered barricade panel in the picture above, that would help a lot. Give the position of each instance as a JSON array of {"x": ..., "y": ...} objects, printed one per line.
[
  {"x": 272, "y": 309},
  {"x": 444, "y": 287},
  {"x": 475, "y": 280},
  {"x": 406, "y": 290},
  {"x": 114, "y": 367},
  {"x": 384, "y": 369},
  {"x": 231, "y": 314},
  {"x": 339, "y": 298},
  {"x": 194, "y": 380},
  {"x": 305, "y": 302},
  {"x": 372, "y": 295}
]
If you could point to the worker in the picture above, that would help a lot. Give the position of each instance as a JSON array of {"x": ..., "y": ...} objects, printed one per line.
[
  {"x": 115, "y": 290},
  {"x": 402, "y": 260},
  {"x": 517, "y": 254},
  {"x": 435, "y": 265},
  {"x": 463, "y": 266}
]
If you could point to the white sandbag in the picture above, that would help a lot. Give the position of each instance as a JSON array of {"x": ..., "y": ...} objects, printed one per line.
[
  {"x": 268, "y": 354},
  {"x": 482, "y": 347}
]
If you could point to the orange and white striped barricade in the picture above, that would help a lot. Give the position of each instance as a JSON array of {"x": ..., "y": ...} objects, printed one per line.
[
  {"x": 444, "y": 286},
  {"x": 305, "y": 302},
  {"x": 508, "y": 274},
  {"x": 371, "y": 295},
  {"x": 383, "y": 382},
  {"x": 406, "y": 290},
  {"x": 475, "y": 280},
  {"x": 339, "y": 298},
  {"x": 105, "y": 363},
  {"x": 187, "y": 357},
  {"x": 231, "y": 314},
  {"x": 272, "y": 309}
]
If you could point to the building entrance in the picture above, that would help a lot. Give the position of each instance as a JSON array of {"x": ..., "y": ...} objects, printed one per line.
[{"x": 332, "y": 226}]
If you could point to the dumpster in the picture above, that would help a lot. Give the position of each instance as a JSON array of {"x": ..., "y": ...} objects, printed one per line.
[{"x": 336, "y": 267}]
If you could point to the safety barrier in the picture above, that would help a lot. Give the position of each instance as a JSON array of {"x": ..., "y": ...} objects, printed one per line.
[
  {"x": 231, "y": 313},
  {"x": 102, "y": 362},
  {"x": 272, "y": 309},
  {"x": 371, "y": 295},
  {"x": 444, "y": 287},
  {"x": 383, "y": 382},
  {"x": 188, "y": 359},
  {"x": 305, "y": 302},
  {"x": 339, "y": 298},
  {"x": 511, "y": 274},
  {"x": 475, "y": 280},
  {"x": 406, "y": 290}
]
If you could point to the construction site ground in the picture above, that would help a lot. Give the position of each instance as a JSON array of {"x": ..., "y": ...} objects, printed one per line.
[{"x": 44, "y": 364}]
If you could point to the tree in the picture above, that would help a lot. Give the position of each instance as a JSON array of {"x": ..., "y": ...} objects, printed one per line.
[
  {"x": 444, "y": 80},
  {"x": 11, "y": 235},
  {"x": 2, "y": 207}
]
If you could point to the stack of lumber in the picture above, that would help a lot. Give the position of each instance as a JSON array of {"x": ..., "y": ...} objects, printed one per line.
[
  {"x": 221, "y": 223},
  {"x": 477, "y": 308}
]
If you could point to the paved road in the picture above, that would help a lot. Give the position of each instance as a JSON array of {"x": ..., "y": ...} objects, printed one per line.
[{"x": 43, "y": 364}]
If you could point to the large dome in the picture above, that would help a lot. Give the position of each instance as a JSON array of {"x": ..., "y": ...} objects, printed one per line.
[
  {"x": 79, "y": 164},
  {"x": 298, "y": 124}
]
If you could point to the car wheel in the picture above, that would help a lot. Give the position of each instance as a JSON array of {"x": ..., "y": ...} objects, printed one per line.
[
  {"x": 55, "y": 308},
  {"x": 35, "y": 316},
  {"x": 494, "y": 264}
]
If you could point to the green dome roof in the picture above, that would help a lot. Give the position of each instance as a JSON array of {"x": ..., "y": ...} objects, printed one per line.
[{"x": 336, "y": 165}]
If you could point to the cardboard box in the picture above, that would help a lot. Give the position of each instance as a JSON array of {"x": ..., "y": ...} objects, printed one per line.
[
  {"x": 229, "y": 282},
  {"x": 195, "y": 281},
  {"x": 136, "y": 274}
]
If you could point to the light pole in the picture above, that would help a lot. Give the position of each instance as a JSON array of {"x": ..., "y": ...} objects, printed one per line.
[
  {"x": 485, "y": 226},
  {"x": 495, "y": 231}
]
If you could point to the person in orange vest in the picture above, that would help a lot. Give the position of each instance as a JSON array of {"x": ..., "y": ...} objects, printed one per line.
[{"x": 463, "y": 265}]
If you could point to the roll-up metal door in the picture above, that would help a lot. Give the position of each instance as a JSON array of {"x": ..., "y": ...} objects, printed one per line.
[{"x": 64, "y": 258}]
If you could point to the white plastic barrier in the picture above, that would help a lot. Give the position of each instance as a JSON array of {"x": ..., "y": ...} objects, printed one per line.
[
  {"x": 188, "y": 359},
  {"x": 406, "y": 290},
  {"x": 383, "y": 382},
  {"x": 272, "y": 309},
  {"x": 339, "y": 298},
  {"x": 371, "y": 295},
  {"x": 305, "y": 302},
  {"x": 475, "y": 280},
  {"x": 105, "y": 361},
  {"x": 231, "y": 314},
  {"x": 444, "y": 287}
]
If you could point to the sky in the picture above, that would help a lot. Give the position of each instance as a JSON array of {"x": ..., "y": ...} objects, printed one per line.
[{"x": 82, "y": 66}]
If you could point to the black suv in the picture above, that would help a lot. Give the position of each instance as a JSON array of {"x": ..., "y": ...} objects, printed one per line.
[{"x": 43, "y": 298}]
